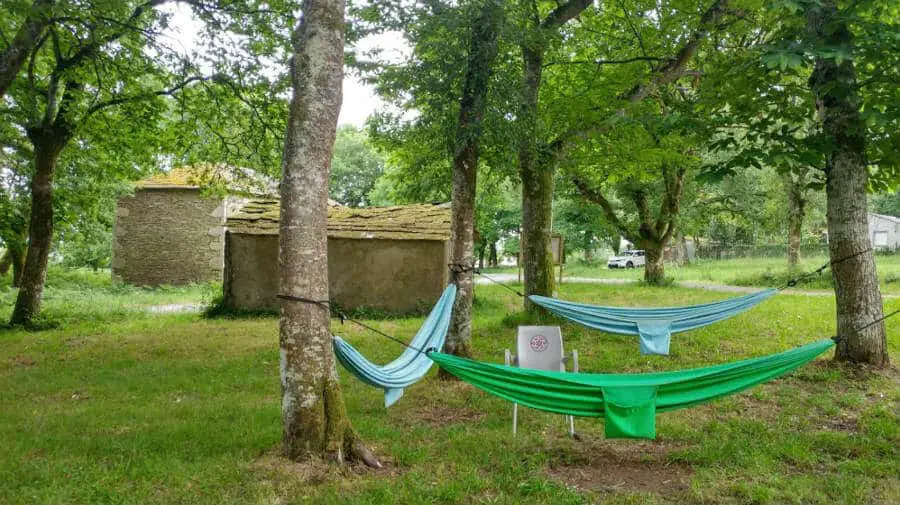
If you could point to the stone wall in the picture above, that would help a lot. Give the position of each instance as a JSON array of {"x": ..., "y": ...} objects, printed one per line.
[
  {"x": 168, "y": 236},
  {"x": 397, "y": 276}
]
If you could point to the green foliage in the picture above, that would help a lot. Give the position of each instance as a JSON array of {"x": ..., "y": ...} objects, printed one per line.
[
  {"x": 355, "y": 168},
  {"x": 887, "y": 203},
  {"x": 763, "y": 110}
]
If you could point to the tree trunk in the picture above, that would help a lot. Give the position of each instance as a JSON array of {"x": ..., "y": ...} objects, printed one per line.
[
  {"x": 654, "y": 269},
  {"x": 492, "y": 256},
  {"x": 312, "y": 408},
  {"x": 482, "y": 51},
  {"x": 795, "y": 189},
  {"x": 18, "y": 266},
  {"x": 482, "y": 248},
  {"x": 537, "y": 159},
  {"x": 14, "y": 56},
  {"x": 537, "y": 186},
  {"x": 40, "y": 229},
  {"x": 855, "y": 280}
]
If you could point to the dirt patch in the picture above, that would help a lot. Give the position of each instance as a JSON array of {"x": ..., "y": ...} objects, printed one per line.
[
  {"x": 436, "y": 416},
  {"x": 316, "y": 471},
  {"x": 22, "y": 361},
  {"x": 844, "y": 423},
  {"x": 620, "y": 467}
]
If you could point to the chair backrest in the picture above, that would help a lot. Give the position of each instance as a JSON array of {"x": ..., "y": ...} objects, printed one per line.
[{"x": 540, "y": 348}]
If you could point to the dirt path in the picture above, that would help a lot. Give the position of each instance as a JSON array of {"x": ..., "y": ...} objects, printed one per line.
[
  {"x": 724, "y": 288},
  {"x": 173, "y": 308}
]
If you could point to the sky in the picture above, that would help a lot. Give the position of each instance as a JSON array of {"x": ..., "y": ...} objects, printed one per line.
[{"x": 359, "y": 98}]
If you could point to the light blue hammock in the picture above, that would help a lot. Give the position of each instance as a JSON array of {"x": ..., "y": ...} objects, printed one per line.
[
  {"x": 412, "y": 364},
  {"x": 654, "y": 326}
]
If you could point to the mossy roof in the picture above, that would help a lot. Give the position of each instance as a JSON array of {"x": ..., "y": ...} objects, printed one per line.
[
  {"x": 402, "y": 222},
  {"x": 217, "y": 177}
]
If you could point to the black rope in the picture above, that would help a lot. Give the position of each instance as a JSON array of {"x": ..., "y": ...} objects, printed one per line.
[
  {"x": 838, "y": 338},
  {"x": 495, "y": 281},
  {"x": 796, "y": 280},
  {"x": 343, "y": 317}
]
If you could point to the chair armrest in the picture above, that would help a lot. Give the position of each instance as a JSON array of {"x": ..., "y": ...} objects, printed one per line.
[{"x": 510, "y": 358}]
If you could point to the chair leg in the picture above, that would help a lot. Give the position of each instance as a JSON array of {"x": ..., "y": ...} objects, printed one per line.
[
  {"x": 571, "y": 426},
  {"x": 515, "y": 417}
]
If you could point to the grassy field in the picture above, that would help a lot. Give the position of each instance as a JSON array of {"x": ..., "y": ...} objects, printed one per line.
[
  {"x": 763, "y": 272},
  {"x": 117, "y": 405},
  {"x": 78, "y": 296}
]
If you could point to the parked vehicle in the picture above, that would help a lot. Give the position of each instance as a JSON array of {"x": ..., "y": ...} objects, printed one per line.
[{"x": 628, "y": 259}]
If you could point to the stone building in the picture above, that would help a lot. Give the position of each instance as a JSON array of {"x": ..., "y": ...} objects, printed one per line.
[
  {"x": 388, "y": 258},
  {"x": 884, "y": 232},
  {"x": 171, "y": 230}
]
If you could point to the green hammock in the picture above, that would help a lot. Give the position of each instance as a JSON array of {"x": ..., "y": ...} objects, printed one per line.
[{"x": 629, "y": 402}]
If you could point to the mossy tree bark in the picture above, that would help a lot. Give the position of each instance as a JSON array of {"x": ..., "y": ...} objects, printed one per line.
[
  {"x": 537, "y": 159},
  {"x": 13, "y": 57},
  {"x": 482, "y": 51},
  {"x": 314, "y": 420},
  {"x": 855, "y": 281},
  {"x": 48, "y": 142}
]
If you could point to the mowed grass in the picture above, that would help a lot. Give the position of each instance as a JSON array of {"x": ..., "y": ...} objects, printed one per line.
[
  {"x": 761, "y": 272},
  {"x": 173, "y": 408}
]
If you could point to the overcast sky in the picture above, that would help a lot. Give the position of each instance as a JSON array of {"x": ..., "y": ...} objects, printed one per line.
[{"x": 359, "y": 99}]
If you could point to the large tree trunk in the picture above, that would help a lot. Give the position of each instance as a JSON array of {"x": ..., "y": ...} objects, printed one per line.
[
  {"x": 482, "y": 51},
  {"x": 40, "y": 229},
  {"x": 14, "y": 56},
  {"x": 855, "y": 280},
  {"x": 492, "y": 256},
  {"x": 654, "y": 269},
  {"x": 795, "y": 189},
  {"x": 537, "y": 185},
  {"x": 536, "y": 160},
  {"x": 312, "y": 408}
]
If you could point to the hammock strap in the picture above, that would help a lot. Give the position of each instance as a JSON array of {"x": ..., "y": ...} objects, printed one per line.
[
  {"x": 495, "y": 281},
  {"x": 343, "y": 317},
  {"x": 796, "y": 280}
]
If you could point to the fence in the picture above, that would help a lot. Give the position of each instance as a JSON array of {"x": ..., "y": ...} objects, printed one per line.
[{"x": 720, "y": 251}]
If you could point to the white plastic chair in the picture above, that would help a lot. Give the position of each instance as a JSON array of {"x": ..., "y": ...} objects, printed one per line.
[{"x": 541, "y": 348}]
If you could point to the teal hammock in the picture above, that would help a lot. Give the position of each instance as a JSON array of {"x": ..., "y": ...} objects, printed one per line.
[
  {"x": 654, "y": 326},
  {"x": 628, "y": 402},
  {"x": 412, "y": 364}
]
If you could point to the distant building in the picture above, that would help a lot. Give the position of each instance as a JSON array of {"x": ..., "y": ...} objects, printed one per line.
[
  {"x": 388, "y": 258},
  {"x": 171, "y": 230},
  {"x": 884, "y": 231}
]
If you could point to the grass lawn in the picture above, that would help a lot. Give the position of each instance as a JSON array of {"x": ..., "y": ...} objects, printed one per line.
[
  {"x": 764, "y": 272},
  {"x": 123, "y": 406}
]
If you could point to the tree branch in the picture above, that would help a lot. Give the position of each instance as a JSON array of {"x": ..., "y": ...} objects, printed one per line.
[
  {"x": 143, "y": 96},
  {"x": 597, "y": 197},
  {"x": 25, "y": 41},
  {"x": 90, "y": 49},
  {"x": 562, "y": 14},
  {"x": 711, "y": 20},
  {"x": 603, "y": 62},
  {"x": 671, "y": 71}
]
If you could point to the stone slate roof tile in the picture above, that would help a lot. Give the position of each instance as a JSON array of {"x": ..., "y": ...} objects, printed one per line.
[
  {"x": 218, "y": 176},
  {"x": 402, "y": 222}
]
